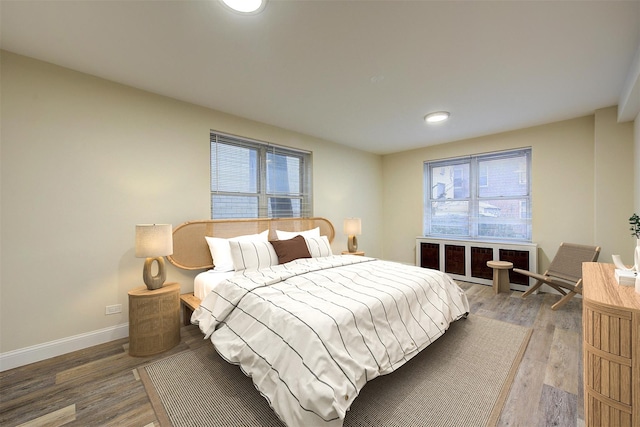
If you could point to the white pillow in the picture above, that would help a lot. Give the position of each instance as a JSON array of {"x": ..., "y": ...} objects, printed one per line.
[
  {"x": 286, "y": 235},
  {"x": 318, "y": 246},
  {"x": 252, "y": 255},
  {"x": 221, "y": 252}
]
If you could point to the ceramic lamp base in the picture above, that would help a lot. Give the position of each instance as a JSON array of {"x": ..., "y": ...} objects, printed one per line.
[
  {"x": 154, "y": 282},
  {"x": 352, "y": 244}
]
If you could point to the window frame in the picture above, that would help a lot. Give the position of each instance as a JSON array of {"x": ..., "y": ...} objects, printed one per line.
[
  {"x": 263, "y": 149},
  {"x": 477, "y": 183}
]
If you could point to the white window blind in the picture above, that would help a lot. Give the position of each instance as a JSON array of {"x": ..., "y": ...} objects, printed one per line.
[
  {"x": 253, "y": 179},
  {"x": 484, "y": 196}
]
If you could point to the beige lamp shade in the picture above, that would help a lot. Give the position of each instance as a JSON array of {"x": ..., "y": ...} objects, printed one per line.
[
  {"x": 153, "y": 240},
  {"x": 352, "y": 227}
]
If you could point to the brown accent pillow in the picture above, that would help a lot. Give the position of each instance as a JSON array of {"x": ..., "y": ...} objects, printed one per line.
[{"x": 291, "y": 249}]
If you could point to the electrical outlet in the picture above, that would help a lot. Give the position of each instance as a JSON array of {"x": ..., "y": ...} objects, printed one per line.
[{"x": 113, "y": 309}]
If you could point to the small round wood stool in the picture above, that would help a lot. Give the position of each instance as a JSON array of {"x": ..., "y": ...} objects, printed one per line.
[{"x": 500, "y": 275}]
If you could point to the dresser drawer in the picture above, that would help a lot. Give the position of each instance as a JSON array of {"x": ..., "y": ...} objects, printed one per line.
[{"x": 611, "y": 349}]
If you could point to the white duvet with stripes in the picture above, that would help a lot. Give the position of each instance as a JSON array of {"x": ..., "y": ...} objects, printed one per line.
[{"x": 311, "y": 333}]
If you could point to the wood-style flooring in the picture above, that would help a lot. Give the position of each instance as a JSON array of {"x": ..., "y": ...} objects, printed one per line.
[{"x": 99, "y": 386}]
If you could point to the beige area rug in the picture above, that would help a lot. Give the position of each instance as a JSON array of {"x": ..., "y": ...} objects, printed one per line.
[{"x": 462, "y": 379}]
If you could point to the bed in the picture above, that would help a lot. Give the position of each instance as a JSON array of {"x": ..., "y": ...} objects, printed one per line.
[{"x": 309, "y": 327}]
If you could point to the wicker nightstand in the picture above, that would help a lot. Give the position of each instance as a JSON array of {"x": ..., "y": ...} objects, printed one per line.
[{"x": 154, "y": 319}]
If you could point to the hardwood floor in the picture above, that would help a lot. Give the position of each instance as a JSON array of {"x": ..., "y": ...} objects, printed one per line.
[
  {"x": 547, "y": 390},
  {"x": 99, "y": 386}
]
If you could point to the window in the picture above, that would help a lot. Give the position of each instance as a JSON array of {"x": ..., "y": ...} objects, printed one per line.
[
  {"x": 252, "y": 179},
  {"x": 484, "y": 196},
  {"x": 483, "y": 175}
]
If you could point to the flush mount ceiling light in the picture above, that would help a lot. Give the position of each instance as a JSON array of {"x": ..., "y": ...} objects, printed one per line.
[
  {"x": 438, "y": 116},
  {"x": 245, "y": 6}
]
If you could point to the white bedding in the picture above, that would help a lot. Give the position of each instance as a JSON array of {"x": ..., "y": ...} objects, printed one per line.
[
  {"x": 207, "y": 280},
  {"x": 313, "y": 331}
]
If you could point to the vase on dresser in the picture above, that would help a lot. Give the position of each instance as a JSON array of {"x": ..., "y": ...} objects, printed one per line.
[{"x": 636, "y": 259}]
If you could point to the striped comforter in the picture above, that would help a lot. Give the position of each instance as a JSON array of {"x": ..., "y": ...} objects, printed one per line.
[{"x": 312, "y": 332}]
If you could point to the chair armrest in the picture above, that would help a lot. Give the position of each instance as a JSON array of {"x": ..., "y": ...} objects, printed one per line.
[{"x": 530, "y": 274}]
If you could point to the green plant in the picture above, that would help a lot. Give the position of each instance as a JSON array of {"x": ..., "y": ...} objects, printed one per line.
[{"x": 635, "y": 225}]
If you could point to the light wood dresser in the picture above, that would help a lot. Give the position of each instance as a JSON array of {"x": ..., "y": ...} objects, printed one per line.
[
  {"x": 611, "y": 348},
  {"x": 154, "y": 319}
]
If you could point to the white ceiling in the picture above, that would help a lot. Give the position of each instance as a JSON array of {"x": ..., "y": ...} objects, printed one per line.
[{"x": 360, "y": 73}]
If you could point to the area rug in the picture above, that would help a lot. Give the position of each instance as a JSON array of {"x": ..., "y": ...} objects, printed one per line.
[{"x": 462, "y": 379}]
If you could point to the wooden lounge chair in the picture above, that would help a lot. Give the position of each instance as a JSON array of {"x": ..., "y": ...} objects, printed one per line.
[{"x": 565, "y": 271}]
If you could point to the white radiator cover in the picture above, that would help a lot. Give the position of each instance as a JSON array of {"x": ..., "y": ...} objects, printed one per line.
[{"x": 492, "y": 248}]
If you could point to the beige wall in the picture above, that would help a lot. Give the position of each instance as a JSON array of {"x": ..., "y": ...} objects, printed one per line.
[
  {"x": 84, "y": 160},
  {"x": 613, "y": 186},
  {"x": 564, "y": 195}
]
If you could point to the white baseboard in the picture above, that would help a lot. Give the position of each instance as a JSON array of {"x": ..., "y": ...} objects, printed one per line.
[{"x": 36, "y": 353}]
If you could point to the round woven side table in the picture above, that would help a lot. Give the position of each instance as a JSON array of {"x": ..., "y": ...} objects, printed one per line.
[{"x": 154, "y": 319}]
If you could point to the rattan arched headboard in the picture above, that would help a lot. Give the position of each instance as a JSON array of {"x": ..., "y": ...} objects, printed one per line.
[{"x": 190, "y": 249}]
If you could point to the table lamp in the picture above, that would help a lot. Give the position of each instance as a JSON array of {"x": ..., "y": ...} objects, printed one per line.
[
  {"x": 352, "y": 228},
  {"x": 153, "y": 241}
]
